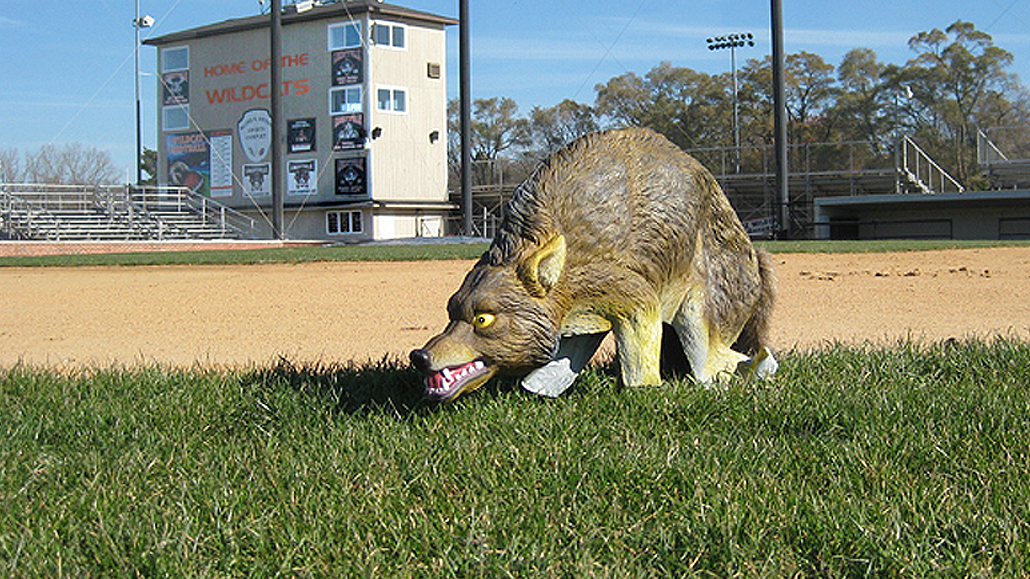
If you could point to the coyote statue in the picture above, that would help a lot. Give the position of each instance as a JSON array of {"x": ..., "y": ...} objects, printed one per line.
[{"x": 619, "y": 231}]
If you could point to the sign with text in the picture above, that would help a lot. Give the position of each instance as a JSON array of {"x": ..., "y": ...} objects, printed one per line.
[{"x": 255, "y": 132}]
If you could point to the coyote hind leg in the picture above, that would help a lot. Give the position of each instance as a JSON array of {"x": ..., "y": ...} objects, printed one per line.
[{"x": 710, "y": 357}]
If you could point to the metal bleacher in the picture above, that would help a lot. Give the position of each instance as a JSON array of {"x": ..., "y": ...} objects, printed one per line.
[
  {"x": 834, "y": 169},
  {"x": 41, "y": 212},
  {"x": 748, "y": 177},
  {"x": 1004, "y": 156}
]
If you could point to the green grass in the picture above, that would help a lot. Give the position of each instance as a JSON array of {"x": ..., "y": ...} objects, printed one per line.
[
  {"x": 258, "y": 256},
  {"x": 433, "y": 251},
  {"x": 909, "y": 461}
]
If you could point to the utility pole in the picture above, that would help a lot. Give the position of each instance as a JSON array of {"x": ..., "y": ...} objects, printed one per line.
[
  {"x": 465, "y": 60},
  {"x": 780, "y": 119},
  {"x": 137, "y": 23},
  {"x": 277, "y": 119}
]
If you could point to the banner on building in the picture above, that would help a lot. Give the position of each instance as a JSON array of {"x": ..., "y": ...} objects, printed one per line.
[
  {"x": 348, "y": 66},
  {"x": 220, "y": 143},
  {"x": 349, "y": 132},
  {"x": 301, "y": 177},
  {"x": 300, "y": 135},
  {"x": 257, "y": 180},
  {"x": 350, "y": 177},
  {"x": 255, "y": 132},
  {"x": 189, "y": 162},
  {"x": 175, "y": 88}
]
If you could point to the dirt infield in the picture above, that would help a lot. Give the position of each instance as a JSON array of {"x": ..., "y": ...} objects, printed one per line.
[{"x": 231, "y": 315}]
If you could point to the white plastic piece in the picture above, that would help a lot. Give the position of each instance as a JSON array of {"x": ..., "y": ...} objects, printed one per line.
[{"x": 555, "y": 377}]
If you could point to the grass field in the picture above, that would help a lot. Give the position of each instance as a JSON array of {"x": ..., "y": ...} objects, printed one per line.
[
  {"x": 908, "y": 461},
  {"x": 903, "y": 461},
  {"x": 418, "y": 252}
]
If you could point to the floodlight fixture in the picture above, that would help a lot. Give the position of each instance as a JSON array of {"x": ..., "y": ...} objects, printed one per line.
[{"x": 733, "y": 42}]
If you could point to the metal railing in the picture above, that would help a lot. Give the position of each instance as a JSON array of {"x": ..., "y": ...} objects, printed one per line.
[
  {"x": 155, "y": 201},
  {"x": 832, "y": 158},
  {"x": 21, "y": 219},
  {"x": 923, "y": 172}
]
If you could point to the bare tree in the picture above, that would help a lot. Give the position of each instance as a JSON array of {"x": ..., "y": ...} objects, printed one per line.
[
  {"x": 72, "y": 163},
  {"x": 10, "y": 165}
]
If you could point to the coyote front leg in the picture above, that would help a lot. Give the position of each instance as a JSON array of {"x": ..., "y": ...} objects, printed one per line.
[{"x": 638, "y": 337}]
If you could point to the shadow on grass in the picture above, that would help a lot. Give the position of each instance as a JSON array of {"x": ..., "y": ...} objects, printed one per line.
[
  {"x": 351, "y": 388},
  {"x": 385, "y": 386},
  {"x": 392, "y": 387}
]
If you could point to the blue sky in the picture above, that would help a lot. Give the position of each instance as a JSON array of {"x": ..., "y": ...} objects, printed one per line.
[{"x": 67, "y": 73}]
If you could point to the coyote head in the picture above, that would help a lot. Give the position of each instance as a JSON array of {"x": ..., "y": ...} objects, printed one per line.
[{"x": 502, "y": 320}]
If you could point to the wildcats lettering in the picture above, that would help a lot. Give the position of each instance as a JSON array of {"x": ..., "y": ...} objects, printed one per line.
[{"x": 239, "y": 94}]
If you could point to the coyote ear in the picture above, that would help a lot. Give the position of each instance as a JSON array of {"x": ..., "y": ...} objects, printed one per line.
[{"x": 542, "y": 269}]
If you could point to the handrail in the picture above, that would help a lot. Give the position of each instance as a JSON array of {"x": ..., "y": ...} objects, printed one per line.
[
  {"x": 181, "y": 199},
  {"x": 28, "y": 221},
  {"x": 921, "y": 169},
  {"x": 984, "y": 147}
]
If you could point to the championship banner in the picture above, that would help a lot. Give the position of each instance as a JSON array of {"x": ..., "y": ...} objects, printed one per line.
[
  {"x": 175, "y": 88},
  {"x": 300, "y": 135},
  {"x": 220, "y": 143}
]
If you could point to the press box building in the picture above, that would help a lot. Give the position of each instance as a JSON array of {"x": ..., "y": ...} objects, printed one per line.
[{"x": 364, "y": 97}]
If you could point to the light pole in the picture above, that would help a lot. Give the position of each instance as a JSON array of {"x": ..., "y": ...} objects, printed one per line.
[
  {"x": 733, "y": 42},
  {"x": 137, "y": 23}
]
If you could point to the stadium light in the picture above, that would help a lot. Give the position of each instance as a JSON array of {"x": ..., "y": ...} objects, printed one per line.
[{"x": 733, "y": 42}]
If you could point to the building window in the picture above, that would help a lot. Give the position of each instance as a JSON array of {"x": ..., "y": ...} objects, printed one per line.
[
  {"x": 177, "y": 58},
  {"x": 392, "y": 100},
  {"x": 346, "y": 35},
  {"x": 345, "y": 100},
  {"x": 391, "y": 35},
  {"x": 342, "y": 222},
  {"x": 175, "y": 118}
]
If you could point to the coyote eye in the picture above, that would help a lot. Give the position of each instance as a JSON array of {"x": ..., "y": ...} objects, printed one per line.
[{"x": 483, "y": 321}]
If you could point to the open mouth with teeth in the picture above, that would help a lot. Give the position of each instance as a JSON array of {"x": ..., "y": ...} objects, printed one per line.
[{"x": 448, "y": 383}]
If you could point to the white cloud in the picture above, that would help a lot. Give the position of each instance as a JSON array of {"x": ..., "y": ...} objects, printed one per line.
[{"x": 6, "y": 22}]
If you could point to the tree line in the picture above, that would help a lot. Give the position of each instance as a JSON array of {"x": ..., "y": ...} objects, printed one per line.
[{"x": 955, "y": 86}]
